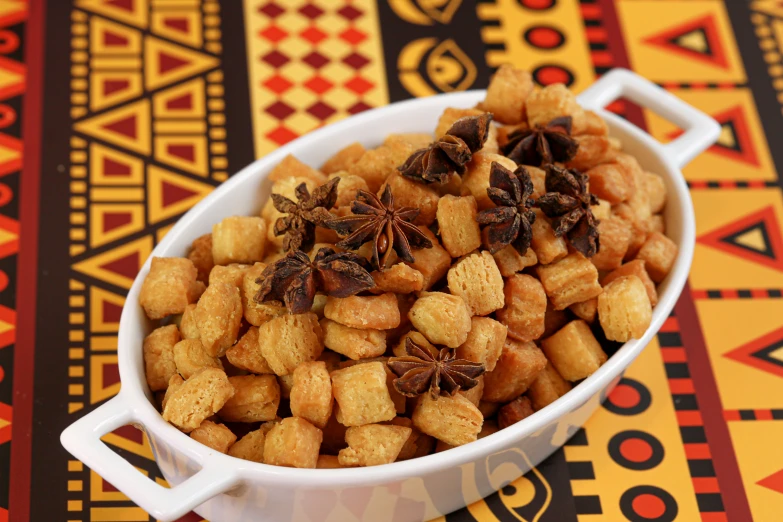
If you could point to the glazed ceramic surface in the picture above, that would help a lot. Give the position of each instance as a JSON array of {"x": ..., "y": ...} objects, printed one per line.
[{"x": 224, "y": 489}]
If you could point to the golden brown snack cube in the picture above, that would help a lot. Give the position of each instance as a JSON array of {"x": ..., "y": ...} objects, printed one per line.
[
  {"x": 547, "y": 388},
  {"x": 615, "y": 234},
  {"x": 571, "y": 280},
  {"x": 294, "y": 443},
  {"x": 188, "y": 326},
  {"x": 200, "y": 254},
  {"x": 574, "y": 351},
  {"x": 636, "y": 268},
  {"x": 289, "y": 340},
  {"x": 190, "y": 356},
  {"x": 354, "y": 343},
  {"x": 475, "y": 181},
  {"x": 585, "y": 310},
  {"x": 328, "y": 462},
  {"x": 250, "y": 447},
  {"x": 373, "y": 445},
  {"x": 592, "y": 151},
  {"x": 246, "y": 353},
  {"x": 408, "y": 193},
  {"x": 375, "y": 165},
  {"x": 348, "y": 187},
  {"x": 538, "y": 177},
  {"x": 311, "y": 394},
  {"x": 659, "y": 252},
  {"x": 610, "y": 182},
  {"x": 546, "y": 245},
  {"x": 601, "y": 211},
  {"x": 510, "y": 261},
  {"x": 398, "y": 279},
  {"x": 657, "y": 224},
  {"x": 474, "y": 394},
  {"x": 416, "y": 337},
  {"x": 459, "y": 230},
  {"x": 551, "y": 102},
  {"x": 238, "y": 239},
  {"x": 518, "y": 366},
  {"x": 484, "y": 343},
  {"x": 232, "y": 274},
  {"x": 331, "y": 359},
  {"x": 656, "y": 192},
  {"x": 343, "y": 158},
  {"x": 624, "y": 309},
  {"x": 525, "y": 307},
  {"x": 590, "y": 123},
  {"x": 362, "y": 394},
  {"x": 488, "y": 409},
  {"x": 411, "y": 445},
  {"x": 507, "y": 93},
  {"x": 159, "y": 363},
  {"x": 377, "y": 312},
  {"x": 441, "y": 318},
  {"x": 198, "y": 398},
  {"x": 256, "y": 398},
  {"x": 513, "y": 412},
  {"x": 174, "y": 383},
  {"x": 257, "y": 313},
  {"x": 477, "y": 279},
  {"x": 216, "y": 436},
  {"x": 169, "y": 287},
  {"x": 418, "y": 140},
  {"x": 453, "y": 420},
  {"x": 291, "y": 167},
  {"x": 554, "y": 320},
  {"x": 433, "y": 263},
  {"x": 639, "y": 229},
  {"x": 219, "y": 316}
]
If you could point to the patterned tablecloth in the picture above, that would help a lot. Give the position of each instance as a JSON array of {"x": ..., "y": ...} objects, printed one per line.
[{"x": 127, "y": 112}]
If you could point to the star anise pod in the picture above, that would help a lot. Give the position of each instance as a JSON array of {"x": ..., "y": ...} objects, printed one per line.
[
  {"x": 443, "y": 375},
  {"x": 509, "y": 223},
  {"x": 294, "y": 279},
  {"x": 542, "y": 145},
  {"x": 378, "y": 220},
  {"x": 302, "y": 217},
  {"x": 449, "y": 153},
  {"x": 567, "y": 202}
]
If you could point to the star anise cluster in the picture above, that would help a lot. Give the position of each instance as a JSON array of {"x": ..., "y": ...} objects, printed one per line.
[
  {"x": 378, "y": 220},
  {"x": 542, "y": 145},
  {"x": 443, "y": 374},
  {"x": 302, "y": 216},
  {"x": 295, "y": 280},
  {"x": 509, "y": 223},
  {"x": 567, "y": 202},
  {"x": 449, "y": 153}
]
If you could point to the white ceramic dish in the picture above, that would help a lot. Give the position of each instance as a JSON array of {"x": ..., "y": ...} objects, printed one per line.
[{"x": 221, "y": 488}]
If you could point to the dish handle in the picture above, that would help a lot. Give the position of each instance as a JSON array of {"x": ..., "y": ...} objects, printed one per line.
[
  {"x": 83, "y": 440},
  {"x": 701, "y": 131}
]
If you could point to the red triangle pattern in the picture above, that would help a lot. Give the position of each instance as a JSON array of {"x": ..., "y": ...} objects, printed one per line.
[
  {"x": 111, "y": 312},
  {"x": 125, "y": 126},
  {"x": 110, "y": 374},
  {"x": 6, "y": 413},
  {"x": 111, "y": 39},
  {"x": 773, "y": 482},
  {"x": 113, "y": 168},
  {"x": 168, "y": 63},
  {"x": 114, "y": 220},
  {"x": 746, "y": 151},
  {"x": 126, "y": 5},
  {"x": 113, "y": 86},
  {"x": 707, "y": 24},
  {"x": 174, "y": 193},
  {"x": 184, "y": 152},
  {"x": 183, "y": 102},
  {"x": 178, "y": 24},
  {"x": 127, "y": 266},
  {"x": 744, "y": 354}
]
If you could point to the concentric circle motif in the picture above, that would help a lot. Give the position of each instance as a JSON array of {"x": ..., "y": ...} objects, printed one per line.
[
  {"x": 636, "y": 450},
  {"x": 538, "y": 5},
  {"x": 9, "y": 42},
  {"x": 6, "y": 194},
  {"x": 544, "y": 37},
  {"x": 7, "y": 115},
  {"x": 548, "y": 74},
  {"x": 648, "y": 504},
  {"x": 630, "y": 397}
]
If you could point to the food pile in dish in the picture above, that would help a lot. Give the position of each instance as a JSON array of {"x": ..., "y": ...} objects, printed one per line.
[{"x": 406, "y": 299}]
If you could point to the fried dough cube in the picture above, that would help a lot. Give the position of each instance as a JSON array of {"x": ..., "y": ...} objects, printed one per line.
[
  {"x": 451, "y": 115},
  {"x": 659, "y": 252},
  {"x": 433, "y": 263},
  {"x": 411, "y": 445},
  {"x": 624, "y": 309},
  {"x": 159, "y": 363},
  {"x": 639, "y": 229},
  {"x": 656, "y": 192},
  {"x": 169, "y": 287},
  {"x": 334, "y": 434},
  {"x": 291, "y": 167},
  {"x": 238, "y": 239},
  {"x": 657, "y": 224},
  {"x": 416, "y": 337},
  {"x": 459, "y": 230},
  {"x": 343, "y": 158},
  {"x": 311, "y": 395},
  {"x": 256, "y": 398},
  {"x": 362, "y": 394},
  {"x": 198, "y": 398},
  {"x": 571, "y": 280},
  {"x": 399, "y": 279},
  {"x": 546, "y": 245},
  {"x": 475, "y": 181},
  {"x": 636, "y": 268},
  {"x": 246, "y": 353},
  {"x": 289, "y": 340},
  {"x": 376, "y": 165},
  {"x": 294, "y": 443},
  {"x": 286, "y": 383},
  {"x": 507, "y": 93},
  {"x": 373, "y": 445},
  {"x": 525, "y": 307},
  {"x": 200, "y": 254},
  {"x": 453, "y": 420},
  {"x": 257, "y": 313},
  {"x": 510, "y": 261},
  {"x": 518, "y": 366},
  {"x": 188, "y": 326},
  {"x": 513, "y": 412},
  {"x": 574, "y": 350},
  {"x": 477, "y": 280},
  {"x": 615, "y": 234},
  {"x": 377, "y": 312},
  {"x": 488, "y": 409},
  {"x": 441, "y": 318},
  {"x": 585, "y": 310},
  {"x": 592, "y": 151},
  {"x": 219, "y": 316},
  {"x": 348, "y": 187},
  {"x": 547, "y": 388},
  {"x": 174, "y": 383},
  {"x": 551, "y": 102},
  {"x": 397, "y": 398},
  {"x": 232, "y": 274},
  {"x": 328, "y": 462},
  {"x": 484, "y": 343},
  {"x": 418, "y": 140},
  {"x": 354, "y": 343},
  {"x": 474, "y": 394},
  {"x": 601, "y": 211},
  {"x": 538, "y": 177},
  {"x": 590, "y": 123},
  {"x": 408, "y": 193},
  {"x": 216, "y": 436},
  {"x": 331, "y": 359},
  {"x": 250, "y": 447},
  {"x": 190, "y": 356},
  {"x": 610, "y": 182}
]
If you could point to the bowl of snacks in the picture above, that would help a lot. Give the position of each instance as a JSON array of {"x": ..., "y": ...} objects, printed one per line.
[{"x": 382, "y": 322}]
